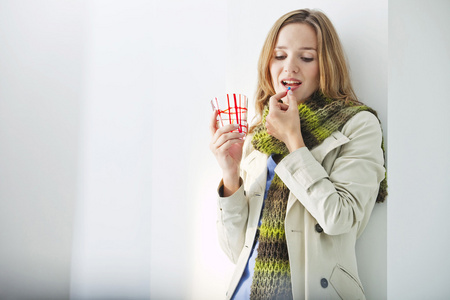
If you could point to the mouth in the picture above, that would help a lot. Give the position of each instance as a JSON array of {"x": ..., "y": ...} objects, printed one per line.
[{"x": 291, "y": 83}]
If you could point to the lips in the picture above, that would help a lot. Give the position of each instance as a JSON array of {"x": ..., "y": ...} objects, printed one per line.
[{"x": 291, "y": 82}]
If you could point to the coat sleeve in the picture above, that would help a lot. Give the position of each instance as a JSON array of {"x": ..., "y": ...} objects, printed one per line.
[
  {"x": 339, "y": 199},
  {"x": 232, "y": 222}
]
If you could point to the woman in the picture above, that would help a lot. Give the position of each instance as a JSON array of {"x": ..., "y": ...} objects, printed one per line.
[{"x": 291, "y": 210}]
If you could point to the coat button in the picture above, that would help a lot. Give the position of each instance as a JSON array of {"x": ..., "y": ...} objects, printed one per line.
[
  {"x": 319, "y": 229},
  {"x": 324, "y": 283}
]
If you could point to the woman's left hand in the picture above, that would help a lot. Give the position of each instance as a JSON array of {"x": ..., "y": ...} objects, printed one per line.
[{"x": 283, "y": 121}]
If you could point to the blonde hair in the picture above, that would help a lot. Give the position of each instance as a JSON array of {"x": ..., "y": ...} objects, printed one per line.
[{"x": 334, "y": 79}]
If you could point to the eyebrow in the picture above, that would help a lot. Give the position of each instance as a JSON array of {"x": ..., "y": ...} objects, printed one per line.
[{"x": 301, "y": 48}]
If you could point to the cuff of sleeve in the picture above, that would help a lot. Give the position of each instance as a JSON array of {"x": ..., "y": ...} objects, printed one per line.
[
  {"x": 302, "y": 167},
  {"x": 231, "y": 202}
]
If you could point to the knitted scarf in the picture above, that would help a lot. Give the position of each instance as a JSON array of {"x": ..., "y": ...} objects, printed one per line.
[{"x": 319, "y": 117}]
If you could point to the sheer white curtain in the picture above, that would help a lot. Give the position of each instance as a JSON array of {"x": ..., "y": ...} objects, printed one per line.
[{"x": 143, "y": 210}]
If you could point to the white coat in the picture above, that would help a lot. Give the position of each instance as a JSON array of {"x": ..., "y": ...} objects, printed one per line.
[{"x": 333, "y": 188}]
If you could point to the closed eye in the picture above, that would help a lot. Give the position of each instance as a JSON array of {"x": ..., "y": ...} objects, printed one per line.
[
  {"x": 280, "y": 57},
  {"x": 307, "y": 59}
]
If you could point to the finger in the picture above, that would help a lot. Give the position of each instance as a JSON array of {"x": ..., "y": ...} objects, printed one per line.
[
  {"x": 226, "y": 137},
  {"x": 292, "y": 102},
  {"x": 274, "y": 100},
  {"x": 227, "y": 128},
  {"x": 225, "y": 132},
  {"x": 215, "y": 130},
  {"x": 228, "y": 144},
  {"x": 213, "y": 123},
  {"x": 284, "y": 106},
  {"x": 273, "y": 104},
  {"x": 222, "y": 149},
  {"x": 280, "y": 95}
]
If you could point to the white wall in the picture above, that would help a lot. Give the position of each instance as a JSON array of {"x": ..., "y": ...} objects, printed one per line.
[
  {"x": 419, "y": 143},
  {"x": 106, "y": 181},
  {"x": 111, "y": 245}
]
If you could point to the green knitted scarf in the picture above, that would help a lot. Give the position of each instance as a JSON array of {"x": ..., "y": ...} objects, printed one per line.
[{"x": 319, "y": 117}]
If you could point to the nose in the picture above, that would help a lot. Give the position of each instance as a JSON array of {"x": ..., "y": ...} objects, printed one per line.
[{"x": 291, "y": 66}]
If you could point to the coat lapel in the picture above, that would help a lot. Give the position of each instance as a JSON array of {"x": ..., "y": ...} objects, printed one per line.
[{"x": 256, "y": 163}]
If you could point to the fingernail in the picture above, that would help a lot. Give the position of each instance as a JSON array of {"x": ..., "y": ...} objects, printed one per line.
[{"x": 290, "y": 92}]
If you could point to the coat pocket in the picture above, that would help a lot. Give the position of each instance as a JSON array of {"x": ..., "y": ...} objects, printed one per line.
[
  {"x": 346, "y": 285},
  {"x": 335, "y": 140}
]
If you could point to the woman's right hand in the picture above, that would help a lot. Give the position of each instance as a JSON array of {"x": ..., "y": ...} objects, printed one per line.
[{"x": 227, "y": 148}]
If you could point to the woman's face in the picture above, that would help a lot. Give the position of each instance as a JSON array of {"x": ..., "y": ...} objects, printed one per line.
[{"x": 294, "y": 62}]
